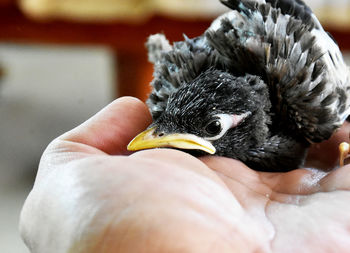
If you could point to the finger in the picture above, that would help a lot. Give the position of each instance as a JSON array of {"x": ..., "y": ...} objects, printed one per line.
[
  {"x": 231, "y": 168},
  {"x": 111, "y": 129},
  {"x": 263, "y": 183},
  {"x": 271, "y": 185},
  {"x": 338, "y": 179},
  {"x": 181, "y": 159},
  {"x": 325, "y": 155},
  {"x": 236, "y": 175}
]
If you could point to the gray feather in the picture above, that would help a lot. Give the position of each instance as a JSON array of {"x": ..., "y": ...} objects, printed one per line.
[{"x": 280, "y": 41}]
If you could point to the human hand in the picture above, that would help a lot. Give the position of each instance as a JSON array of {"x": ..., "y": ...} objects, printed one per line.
[{"x": 91, "y": 195}]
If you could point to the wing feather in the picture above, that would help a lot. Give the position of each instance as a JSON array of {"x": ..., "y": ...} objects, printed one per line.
[
  {"x": 282, "y": 42},
  {"x": 303, "y": 66}
]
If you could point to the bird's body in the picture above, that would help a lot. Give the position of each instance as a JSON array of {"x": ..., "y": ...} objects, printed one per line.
[{"x": 262, "y": 83}]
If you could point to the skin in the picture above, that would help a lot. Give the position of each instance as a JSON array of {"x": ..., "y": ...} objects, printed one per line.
[{"x": 91, "y": 195}]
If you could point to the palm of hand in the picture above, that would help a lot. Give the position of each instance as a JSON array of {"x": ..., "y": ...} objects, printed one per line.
[
  {"x": 168, "y": 201},
  {"x": 306, "y": 207},
  {"x": 247, "y": 210}
]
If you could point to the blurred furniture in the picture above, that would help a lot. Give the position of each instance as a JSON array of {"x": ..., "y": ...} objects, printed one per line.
[
  {"x": 36, "y": 21},
  {"x": 125, "y": 37}
]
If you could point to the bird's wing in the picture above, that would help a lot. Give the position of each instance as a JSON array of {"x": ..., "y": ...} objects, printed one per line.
[
  {"x": 284, "y": 43},
  {"x": 175, "y": 65},
  {"x": 295, "y": 8}
]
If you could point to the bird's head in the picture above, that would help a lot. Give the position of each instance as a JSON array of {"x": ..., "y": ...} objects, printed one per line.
[{"x": 217, "y": 113}]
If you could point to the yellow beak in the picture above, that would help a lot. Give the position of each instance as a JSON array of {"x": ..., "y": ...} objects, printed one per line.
[{"x": 147, "y": 139}]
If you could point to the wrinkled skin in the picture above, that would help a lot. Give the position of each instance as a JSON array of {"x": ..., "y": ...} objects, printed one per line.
[{"x": 90, "y": 195}]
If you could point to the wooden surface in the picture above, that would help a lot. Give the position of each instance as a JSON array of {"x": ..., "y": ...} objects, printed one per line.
[{"x": 127, "y": 40}]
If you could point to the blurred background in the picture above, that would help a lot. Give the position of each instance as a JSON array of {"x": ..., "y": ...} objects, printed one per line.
[{"x": 62, "y": 61}]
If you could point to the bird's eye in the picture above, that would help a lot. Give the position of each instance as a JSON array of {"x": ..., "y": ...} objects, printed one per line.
[
  {"x": 217, "y": 127},
  {"x": 213, "y": 128}
]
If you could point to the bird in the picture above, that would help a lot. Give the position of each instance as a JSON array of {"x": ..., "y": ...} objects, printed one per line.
[{"x": 260, "y": 85}]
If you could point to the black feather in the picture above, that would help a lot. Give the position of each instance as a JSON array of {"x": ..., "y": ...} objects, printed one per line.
[{"x": 271, "y": 59}]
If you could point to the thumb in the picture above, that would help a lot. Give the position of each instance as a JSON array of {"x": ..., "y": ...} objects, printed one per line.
[{"x": 111, "y": 129}]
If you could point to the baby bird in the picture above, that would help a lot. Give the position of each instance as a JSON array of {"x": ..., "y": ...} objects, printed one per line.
[{"x": 260, "y": 85}]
